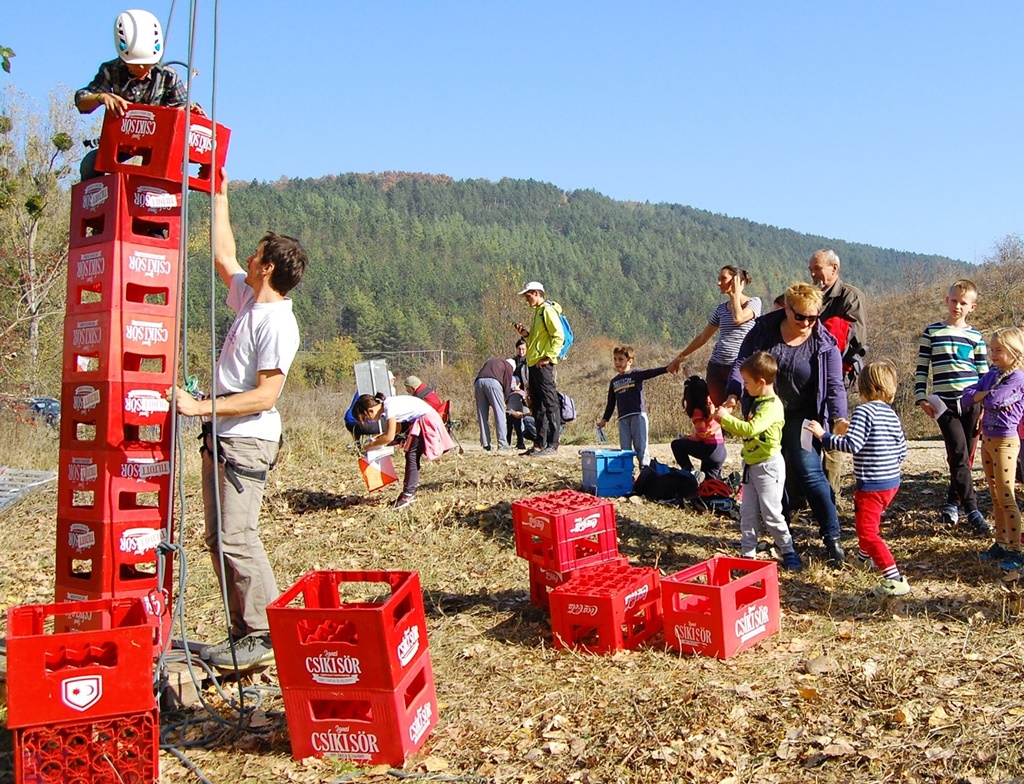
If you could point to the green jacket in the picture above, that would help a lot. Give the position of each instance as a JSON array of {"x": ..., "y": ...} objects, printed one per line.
[
  {"x": 546, "y": 336},
  {"x": 761, "y": 431}
]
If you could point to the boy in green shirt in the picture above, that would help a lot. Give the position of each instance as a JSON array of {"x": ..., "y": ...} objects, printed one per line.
[{"x": 764, "y": 471}]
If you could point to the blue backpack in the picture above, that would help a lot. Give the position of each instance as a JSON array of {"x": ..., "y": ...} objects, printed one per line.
[{"x": 569, "y": 336}]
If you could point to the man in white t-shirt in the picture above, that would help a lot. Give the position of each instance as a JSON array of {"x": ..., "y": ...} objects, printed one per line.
[{"x": 254, "y": 361}]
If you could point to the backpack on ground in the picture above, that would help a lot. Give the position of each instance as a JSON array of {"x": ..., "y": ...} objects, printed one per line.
[
  {"x": 719, "y": 496},
  {"x": 660, "y": 482},
  {"x": 567, "y": 331},
  {"x": 568, "y": 406}
]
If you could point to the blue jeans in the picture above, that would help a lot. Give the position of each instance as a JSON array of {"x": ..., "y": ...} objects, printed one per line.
[{"x": 805, "y": 472}]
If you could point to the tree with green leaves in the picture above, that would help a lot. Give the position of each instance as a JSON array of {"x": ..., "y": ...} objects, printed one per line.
[
  {"x": 6, "y": 53},
  {"x": 37, "y": 160}
]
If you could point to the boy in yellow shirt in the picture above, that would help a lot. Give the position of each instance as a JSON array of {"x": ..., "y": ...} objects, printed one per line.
[{"x": 764, "y": 471}]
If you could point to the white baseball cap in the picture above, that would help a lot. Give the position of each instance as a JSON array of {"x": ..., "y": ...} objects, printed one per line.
[{"x": 532, "y": 286}]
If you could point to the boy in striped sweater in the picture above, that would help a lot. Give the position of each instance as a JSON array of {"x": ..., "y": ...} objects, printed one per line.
[
  {"x": 875, "y": 437},
  {"x": 956, "y": 355}
]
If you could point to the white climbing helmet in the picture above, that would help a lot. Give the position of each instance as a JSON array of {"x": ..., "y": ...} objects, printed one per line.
[{"x": 138, "y": 37}]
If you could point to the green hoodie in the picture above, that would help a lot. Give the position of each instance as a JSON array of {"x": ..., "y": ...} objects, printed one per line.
[
  {"x": 546, "y": 336},
  {"x": 761, "y": 431}
]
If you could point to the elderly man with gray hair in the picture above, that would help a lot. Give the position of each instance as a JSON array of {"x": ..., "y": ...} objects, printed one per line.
[{"x": 844, "y": 315}]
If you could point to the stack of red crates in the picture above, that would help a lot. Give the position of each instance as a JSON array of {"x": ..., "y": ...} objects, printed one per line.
[
  {"x": 353, "y": 665},
  {"x": 80, "y": 705},
  {"x": 561, "y": 533},
  {"x": 114, "y": 480}
]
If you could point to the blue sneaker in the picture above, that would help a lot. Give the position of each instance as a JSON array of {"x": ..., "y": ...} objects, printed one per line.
[
  {"x": 1013, "y": 562},
  {"x": 950, "y": 514},
  {"x": 979, "y": 525},
  {"x": 792, "y": 561},
  {"x": 995, "y": 553}
]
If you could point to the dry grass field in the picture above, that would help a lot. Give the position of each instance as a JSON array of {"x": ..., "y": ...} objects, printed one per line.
[{"x": 920, "y": 689}]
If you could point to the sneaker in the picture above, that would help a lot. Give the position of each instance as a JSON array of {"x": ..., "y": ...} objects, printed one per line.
[
  {"x": 835, "y": 554},
  {"x": 548, "y": 451},
  {"x": 994, "y": 553},
  {"x": 979, "y": 525},
  {"x": 792, "y": 561},
  {"x": 950, "y": 514},
  {"x": 220, "y": 647},
  {"x": 251, "y": 651},
  {"x": 862, "y": 564},
  {"x": 403, "y": 501},
  {"x": 700, "y": 476},
  {"x": 1014, "y": 561},
  {"x": 898, "y": 587},
  {"x": 530, "y": 452}
]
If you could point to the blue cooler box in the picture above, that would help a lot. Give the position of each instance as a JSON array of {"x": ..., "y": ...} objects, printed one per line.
[{"x": 607, "y": 472}]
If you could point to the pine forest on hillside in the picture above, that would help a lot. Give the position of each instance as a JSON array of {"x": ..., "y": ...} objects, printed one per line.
[{"x": 405, "y": 261}]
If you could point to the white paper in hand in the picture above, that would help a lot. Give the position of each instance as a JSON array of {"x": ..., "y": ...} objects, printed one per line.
[
  {"x": 936, "y": 403},
  {"x": 806, "y": 437}
]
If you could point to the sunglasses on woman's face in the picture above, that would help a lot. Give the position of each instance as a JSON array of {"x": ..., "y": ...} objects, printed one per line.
[{"x": 802, "y": 317}]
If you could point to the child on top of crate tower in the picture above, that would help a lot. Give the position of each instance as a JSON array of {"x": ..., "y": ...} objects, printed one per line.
[{"x": 136, "y": 75}]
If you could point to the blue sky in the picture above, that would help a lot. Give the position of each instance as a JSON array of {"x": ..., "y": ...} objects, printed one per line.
[{"x": 896, "y": 124}]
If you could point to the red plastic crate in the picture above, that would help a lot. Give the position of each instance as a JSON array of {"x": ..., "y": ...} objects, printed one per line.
[
  {"x": 722, "y": 606},
  {"x": 607, "y": 608},
  {"x": 368, "y": 726},
  {"x": 323, "y": 640},
  {"x": 126, "y": 208},
  {"x": 115, "y": 415},
  {"x": 127, "y": 485},
  {"x": 154, "y": 600},
  {"x": 565, "y": 530},
  {"x": 156, "y": 134},
  {"x": 119, "y": 275},
  {"x": 122, "y": 345},
  {"x": 542, "y": 580},
  {"x": 106, "y": 751},
  {"x": 57, "y": 676},
  {"x": 113, "y": 558}
]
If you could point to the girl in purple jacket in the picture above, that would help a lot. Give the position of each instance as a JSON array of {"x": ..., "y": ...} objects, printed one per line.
[{"x": 1001, "y": 394}]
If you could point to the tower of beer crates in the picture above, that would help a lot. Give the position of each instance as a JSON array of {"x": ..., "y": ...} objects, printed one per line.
[{"x": 79, "y": 672}]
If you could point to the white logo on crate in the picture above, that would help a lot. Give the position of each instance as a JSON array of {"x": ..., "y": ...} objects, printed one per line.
[
  {"x": 154, "y": 199},
  {"x": 637, "y": 596},
  {"x": 82, "y": 469},
  {"x": 144, "y": 402},
  {"x": 421, "y": 722},
  {"x": 352, "y": 745},
  {"x": 86, "y": 333},
  {"x": 81, "y": 693},
  {"x": 139, "y": 541},
  {"x": 143, "y": 468},
  {"x": 90, "y": 265},
  {"x": 692, "y": 634},
  {"x": 81, "y": 537},
  {"x": 536, "y": 523},
  {"x": 551, "y": 577},
  {"x": 409, "y": 645},
  {"x": 753, "y": 622},
  {"x": 154, "y": 603},
  {"x": 150, "y": 265},
  {"x": 581, "y": 524},
  {"x": 582, "y": 609},
  {"x": 85, "y": 399},
  {"x": 146, "y": 332},
  {"x": 200, "y": 139},
  {"x": 78, "y": 618},
  {"x": 331, "y": 669},
  {"x": 138, "y": 123},
  {"x": 95, "y": 194}
]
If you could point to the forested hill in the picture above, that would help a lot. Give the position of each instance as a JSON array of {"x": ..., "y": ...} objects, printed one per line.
[{"x": 403, "y": 261}]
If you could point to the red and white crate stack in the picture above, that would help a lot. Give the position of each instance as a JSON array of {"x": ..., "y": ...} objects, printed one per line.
[
  {"x": 80, "y": 705},
  {"x": 353, "y": 665},
  {"x": 569, "y": 539}
]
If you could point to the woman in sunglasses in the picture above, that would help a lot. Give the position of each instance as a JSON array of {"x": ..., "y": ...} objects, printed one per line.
[{"x": 810, "y": 385}]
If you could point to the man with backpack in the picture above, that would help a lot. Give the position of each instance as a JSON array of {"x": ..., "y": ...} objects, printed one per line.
[{"x": 545, "y": 343}]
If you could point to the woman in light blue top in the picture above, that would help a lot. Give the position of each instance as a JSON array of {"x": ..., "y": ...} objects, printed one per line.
[{"x": 733, "y": 319}]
